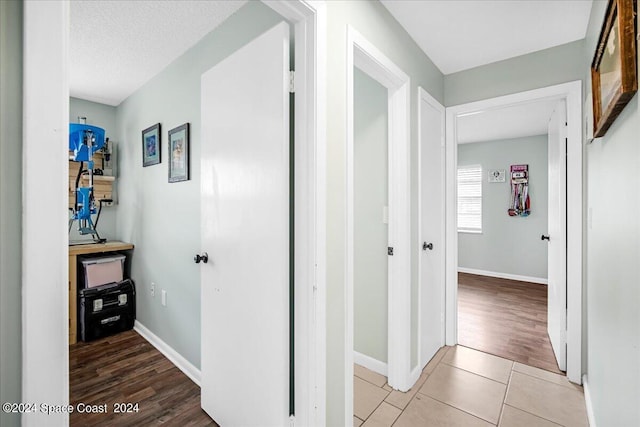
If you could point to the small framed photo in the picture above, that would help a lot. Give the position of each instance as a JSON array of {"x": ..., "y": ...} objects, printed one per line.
[
  {"x": 179, "y": 153},
  {"x": 151, "y": 145},
  {"x": 496, "y": 175}
]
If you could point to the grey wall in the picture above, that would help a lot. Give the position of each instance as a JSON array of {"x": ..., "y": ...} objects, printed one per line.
[
  {"x": 547, "y": 67},
  {"x": 376, "y": 24},
  {"x": 11, "y": 14},
  {"x": 508, "y": 244},
  {"x": 162, "y": 220},
  {"x": 612, "y": 255},
  {"x": 371, "y": 235},
  {"x": 103, "y": 116}
]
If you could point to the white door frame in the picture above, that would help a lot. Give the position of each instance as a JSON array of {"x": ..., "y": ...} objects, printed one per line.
[
  {"x": 424, "y": 96},
  {"x": 45, "y": 160},
  {"x": 45, "y": 355},
  {"x": 572, "y": 93},
  {"x": 364, "y": 55},
  {"x": 310, "y": 207}
]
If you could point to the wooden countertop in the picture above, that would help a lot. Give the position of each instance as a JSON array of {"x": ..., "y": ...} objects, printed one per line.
[{"x": 92, "y": 248}]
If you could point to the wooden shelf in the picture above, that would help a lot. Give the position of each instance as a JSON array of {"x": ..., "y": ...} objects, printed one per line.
[{"x": 102, "y": 184}]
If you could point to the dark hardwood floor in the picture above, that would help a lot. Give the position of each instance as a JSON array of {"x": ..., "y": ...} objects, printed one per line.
[
  {"x": 125, "y": 368},
  {"x": 506, "y": 318}
]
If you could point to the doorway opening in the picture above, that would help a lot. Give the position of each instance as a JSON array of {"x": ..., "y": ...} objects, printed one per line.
[
  {"x": 503, "y": 210},
  {"x": 45, "y": 344},
  {"x": 365, "y": 60},
  {"x": 463, "y": 201}
]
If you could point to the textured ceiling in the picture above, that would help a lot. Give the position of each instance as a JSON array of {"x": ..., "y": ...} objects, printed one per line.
[
  {"x": 117, "y": 46},
  {"x": 458, "y": 35},
  {"x": 505, "y": 123}
]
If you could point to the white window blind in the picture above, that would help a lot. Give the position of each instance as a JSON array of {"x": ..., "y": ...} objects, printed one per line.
[{"x": 470, "y": 199}]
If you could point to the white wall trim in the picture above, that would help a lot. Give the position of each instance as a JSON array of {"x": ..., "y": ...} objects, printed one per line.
[
  {"x": 176, "y": 358},
  {"x": 45, "y": 281},
  {"x": 424, "y": 96},
  {"x": 588, "y": 403},
  {"x": 368, "y": 58},
  {"x": 531, "y": 279},
  {"x": 370, "y": 363},
  {"x": 572, "y": 93}
]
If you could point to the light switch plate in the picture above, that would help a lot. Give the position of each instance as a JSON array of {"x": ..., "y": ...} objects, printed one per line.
[{"x": 164, "y": 298}]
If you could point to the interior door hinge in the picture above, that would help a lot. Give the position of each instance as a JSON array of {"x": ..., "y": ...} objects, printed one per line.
[{"x": 292, "y": 80}]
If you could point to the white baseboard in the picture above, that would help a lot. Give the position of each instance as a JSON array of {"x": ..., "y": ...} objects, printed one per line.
[
  {"x": 370, "y": 363},
  {"x": 539, "y": 280},
  {"x": 176, "y": 358},
  {"x": 587, "y": 401}
]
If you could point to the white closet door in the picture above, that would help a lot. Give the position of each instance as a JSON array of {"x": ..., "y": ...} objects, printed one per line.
[{"x": 245, "y": 231}]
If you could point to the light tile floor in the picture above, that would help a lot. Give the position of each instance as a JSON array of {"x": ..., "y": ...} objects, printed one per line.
[{"x": 464, "y": 387}]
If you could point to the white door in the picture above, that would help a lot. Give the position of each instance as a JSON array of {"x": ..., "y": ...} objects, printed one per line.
[
  {"x": 245, "y": 230},
  {"x": 557, "y": 237},
  {"x": 432, "y": 226}
]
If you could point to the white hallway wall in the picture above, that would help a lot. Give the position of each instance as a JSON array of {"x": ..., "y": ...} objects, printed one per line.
[{"x": 612, "y": 254}]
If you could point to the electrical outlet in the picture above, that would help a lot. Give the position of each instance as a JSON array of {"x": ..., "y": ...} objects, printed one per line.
[
  {"x": 164, "y": 298},
  {"x": 153, "y": 289}
]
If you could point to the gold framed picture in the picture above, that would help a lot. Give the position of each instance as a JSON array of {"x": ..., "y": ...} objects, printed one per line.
[{"x": 614, "y": 78}]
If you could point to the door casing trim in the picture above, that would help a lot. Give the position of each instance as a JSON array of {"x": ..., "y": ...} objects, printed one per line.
[{"x": 572, "y": 93}]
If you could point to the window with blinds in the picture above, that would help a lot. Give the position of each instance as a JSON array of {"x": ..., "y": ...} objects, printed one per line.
[{"x": 470, "y": 199}]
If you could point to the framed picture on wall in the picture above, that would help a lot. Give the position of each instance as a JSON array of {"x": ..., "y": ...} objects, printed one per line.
[
  {"x": 614, "y": 78},
  {"x": 179, "y": 153},
  {"x": 151, "y": 145}
]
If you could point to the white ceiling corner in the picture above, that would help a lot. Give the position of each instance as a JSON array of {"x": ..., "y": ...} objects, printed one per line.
[
  {"x": 462, "y": 34},
  {"x": 117, "y": 46}
]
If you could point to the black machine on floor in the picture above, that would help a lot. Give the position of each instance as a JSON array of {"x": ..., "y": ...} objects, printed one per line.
[
  {"x": 106, "y": 298},
  {"x": 106, "y": 309}
]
